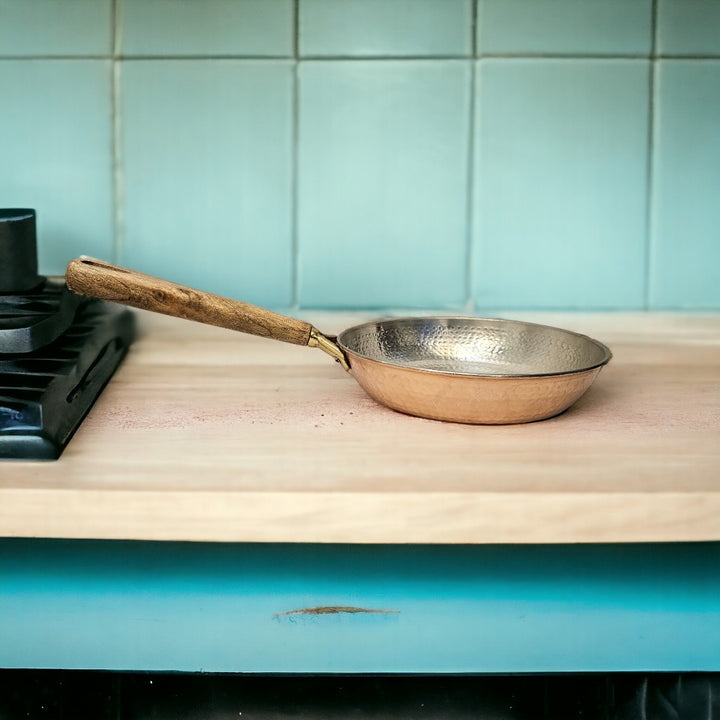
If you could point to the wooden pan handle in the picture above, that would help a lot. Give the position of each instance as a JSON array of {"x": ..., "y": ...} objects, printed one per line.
[{"x": 87, "y": 276}]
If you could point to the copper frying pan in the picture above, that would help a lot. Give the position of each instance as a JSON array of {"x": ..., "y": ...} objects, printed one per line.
[{"x": 459, "y": 369}]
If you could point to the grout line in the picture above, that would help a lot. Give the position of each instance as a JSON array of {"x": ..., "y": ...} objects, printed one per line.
[
  {"x": 562, "y": 56},
  {"x": 470, "y": 209},
  {"x": 296, "y": 29},
  {"x": 115, "y": 20},
  {"x": 21, "y": 58},
  {"x": 294, "y": 169},
  {"x": 473, "y": 29},
  {"x": 203, "y": 58},
  {"x": 117, "y": 165},
  {"x": 118, "y": 182},
  {"x": 367, "y": 58},
  {"x": 695, "y": 58},
  {"x": 383, "y": 58},
  {"x": 649, "y": 202}
]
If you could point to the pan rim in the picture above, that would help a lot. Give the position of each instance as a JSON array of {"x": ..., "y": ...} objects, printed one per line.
[{"x": 606, "y": 352}]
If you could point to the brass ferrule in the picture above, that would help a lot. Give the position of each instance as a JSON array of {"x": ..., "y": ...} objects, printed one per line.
[{"x": 318, "y": 340}]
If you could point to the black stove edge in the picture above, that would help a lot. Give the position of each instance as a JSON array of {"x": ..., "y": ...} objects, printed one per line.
[{"x": 71, "y": 394}]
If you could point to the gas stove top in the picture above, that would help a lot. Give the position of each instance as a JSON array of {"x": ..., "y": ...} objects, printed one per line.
[{"x": 57, "y": 350}]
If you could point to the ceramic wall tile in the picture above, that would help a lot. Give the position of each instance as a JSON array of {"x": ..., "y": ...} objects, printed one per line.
[
  {"x": 378, "y": 27},
  {"x": 52, "y": 27},
  {"x": 685, "y": 253},
  {"x": 207, "y": 174},
  {"x": 383, "y": 183},
  {"x": 206, "y": 166},
  {"x": 206, "y": 27},
  {"x": 55, "y": 154},
  {"x": 564, "y": 27},
  {"x": 560, "y": 184},
  {"x": 689, "y": 27}
]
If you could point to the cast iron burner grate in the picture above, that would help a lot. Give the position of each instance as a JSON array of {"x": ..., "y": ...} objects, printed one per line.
[
  {"x": 57, "y": 350},
  {"x": 34, "y": 319}
]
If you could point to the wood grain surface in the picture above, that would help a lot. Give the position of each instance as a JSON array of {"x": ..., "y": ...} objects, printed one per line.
[{"x": 206, "y": 434}]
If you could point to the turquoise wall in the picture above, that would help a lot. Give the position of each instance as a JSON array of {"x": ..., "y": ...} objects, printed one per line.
[{"x": 509, "y": 154}]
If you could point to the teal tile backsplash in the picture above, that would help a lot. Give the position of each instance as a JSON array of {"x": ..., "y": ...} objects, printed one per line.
[
  {"x": 55, "y": 27},
  {"x": 206, "y": 175},
  {"x": 379, "y": 27},
  {"x": 55, "y": 154},
  {"x": 205, "y": 27},
  {"x": 685, "y": 261},
  {"x": 564, "y": 27},
  {"x": 689, "y": 27},
  {"x": 467, "y": 155},
  {"x": 382, "y": 183},
  {"x": 560, "y": 185}
]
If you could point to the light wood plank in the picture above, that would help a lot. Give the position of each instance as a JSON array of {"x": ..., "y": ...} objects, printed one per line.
[{"x": 205, "y": 434}]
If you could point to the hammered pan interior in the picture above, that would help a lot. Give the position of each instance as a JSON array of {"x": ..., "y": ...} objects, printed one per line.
[{"x": 475, "y": 346}]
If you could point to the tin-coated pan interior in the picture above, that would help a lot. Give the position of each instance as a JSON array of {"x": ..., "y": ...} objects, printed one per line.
[{"x": 474, "y": 346}]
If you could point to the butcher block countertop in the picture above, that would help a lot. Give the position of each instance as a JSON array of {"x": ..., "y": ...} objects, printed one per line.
[{"x": 204, "y": 434}]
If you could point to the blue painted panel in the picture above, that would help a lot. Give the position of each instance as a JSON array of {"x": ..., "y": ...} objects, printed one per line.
[
  {"x": 685, "y": 261},
  {"x": 49, "y": 27},
  {"x": 154, "y": 606},
  {"x": 55, "y": 154},
  {"x": 383, "y": 154},
  {"x": 689, "y": 27},
  {"x": 206, "y": 27},
  {"x": 207, "y": 175},
  {"x": 377, "y": 27},
  {"x": 560, "y": 197},
  {"x": 564, "y": 27}
]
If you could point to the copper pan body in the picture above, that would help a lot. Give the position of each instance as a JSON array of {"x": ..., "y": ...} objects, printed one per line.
[{"x": 472, "y": 370}]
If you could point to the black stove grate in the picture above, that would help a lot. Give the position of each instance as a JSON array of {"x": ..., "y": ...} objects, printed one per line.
[
  {"x": 44, "y": 395},
  {"x": 34, "y": 319},
  {"x": 57, "y": 349}
]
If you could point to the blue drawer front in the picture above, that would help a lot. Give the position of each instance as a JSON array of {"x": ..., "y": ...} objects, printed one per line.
[{"x": 358, "y": 609}]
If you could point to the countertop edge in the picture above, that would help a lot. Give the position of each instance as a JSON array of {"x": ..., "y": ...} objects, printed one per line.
[{"x": 342, "y": 517}]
